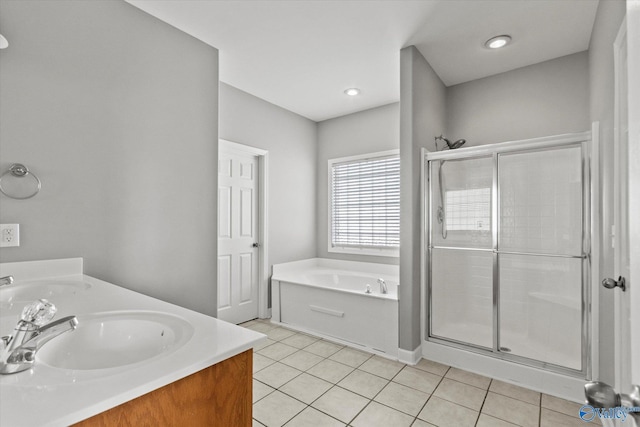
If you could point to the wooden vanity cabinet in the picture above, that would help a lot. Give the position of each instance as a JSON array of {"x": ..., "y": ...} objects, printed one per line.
[{"x": 217, "y": 396}]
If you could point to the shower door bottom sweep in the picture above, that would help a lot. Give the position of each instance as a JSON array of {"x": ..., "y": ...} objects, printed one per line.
[{"x": 508, "y": 266}]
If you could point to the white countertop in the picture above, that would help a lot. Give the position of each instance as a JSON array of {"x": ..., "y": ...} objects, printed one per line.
[{"x": 48, "y": 396}]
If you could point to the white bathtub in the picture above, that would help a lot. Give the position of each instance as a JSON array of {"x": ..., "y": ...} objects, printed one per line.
[{"x": 329, "y": 298}]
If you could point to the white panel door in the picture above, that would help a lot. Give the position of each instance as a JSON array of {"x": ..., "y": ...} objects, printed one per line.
[
  {"x": 621, "y": 218},
  {"x": 633, "y": 178},
  {"x": 237, "y": 237}
]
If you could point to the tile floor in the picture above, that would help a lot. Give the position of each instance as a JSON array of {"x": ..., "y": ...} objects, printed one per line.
[{"x": 301, "y": 380}]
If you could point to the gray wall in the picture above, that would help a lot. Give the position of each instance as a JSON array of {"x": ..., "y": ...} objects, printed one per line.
[
  {"x": 117, "y": 113},
  {"x": 601, "y": 86},
  {"x": 365, "y": 132},
  {"x": 549, "y": 98},
  {"x": 291, "y": 142},
  {"x": 422, "y": 116}
]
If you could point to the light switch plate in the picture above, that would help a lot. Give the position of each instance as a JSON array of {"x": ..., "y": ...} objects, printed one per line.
[{"x": 9, "y": 235}]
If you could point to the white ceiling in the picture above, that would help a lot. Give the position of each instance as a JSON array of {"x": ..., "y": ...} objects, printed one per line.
[{"x": 302, "y": 54}]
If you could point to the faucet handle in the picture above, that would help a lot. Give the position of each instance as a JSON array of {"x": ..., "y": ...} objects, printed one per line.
[{"x": 39, "y": 312}]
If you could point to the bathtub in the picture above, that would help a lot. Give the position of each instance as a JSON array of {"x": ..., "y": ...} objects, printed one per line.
[{"x": 339, "y": 300}]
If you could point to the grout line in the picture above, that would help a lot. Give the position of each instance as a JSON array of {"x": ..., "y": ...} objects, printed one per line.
[
  {"x": 540, "y": 412},
  {"x": 470, "y": 385},
  {"x": 483, "y": 401},
  {"x": 423, "y": 406}
]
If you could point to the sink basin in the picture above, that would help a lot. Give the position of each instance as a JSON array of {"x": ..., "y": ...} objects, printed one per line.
[
  {"x": 31, "y": 291},
  {"x": 116, "y": 339}
]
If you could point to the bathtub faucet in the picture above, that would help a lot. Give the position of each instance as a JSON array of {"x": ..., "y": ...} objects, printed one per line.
[
  {"x": 18, "y": 351},
  {"x": 383, "y": 286},
  {"x": 6, "y": 280}
]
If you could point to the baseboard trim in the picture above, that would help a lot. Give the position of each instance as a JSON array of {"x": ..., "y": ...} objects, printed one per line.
[{"x": 410, "y": 357}]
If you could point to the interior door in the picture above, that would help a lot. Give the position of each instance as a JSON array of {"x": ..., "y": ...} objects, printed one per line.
[
  {"x": 633, "y": 91},
  {"x": 622, "y": 299},
  {"x": 238, "y": 236}
]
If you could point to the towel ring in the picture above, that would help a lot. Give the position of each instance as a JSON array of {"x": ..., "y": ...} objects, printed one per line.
[{"x": 20, "y": 171}]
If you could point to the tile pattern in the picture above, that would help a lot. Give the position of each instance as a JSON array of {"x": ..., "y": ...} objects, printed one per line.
[{"x": 302, "y": 380}]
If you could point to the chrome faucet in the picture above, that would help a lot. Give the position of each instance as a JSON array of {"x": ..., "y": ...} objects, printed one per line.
[
  {"x": 383, "y": 286},
  {"x": 6, "y": 280},
  {"x": 18, "y": 351}
]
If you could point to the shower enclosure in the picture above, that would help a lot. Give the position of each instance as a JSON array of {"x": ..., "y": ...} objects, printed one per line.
[{"x": 508, "y": 251}]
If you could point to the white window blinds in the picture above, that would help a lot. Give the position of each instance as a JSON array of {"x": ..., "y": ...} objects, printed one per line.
[{"x": 365, "y": 203}]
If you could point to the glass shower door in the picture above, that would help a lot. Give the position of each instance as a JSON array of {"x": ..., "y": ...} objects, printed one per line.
[
  {"x": 461, "y": 261},
  {"x": 540, "y": 255}
]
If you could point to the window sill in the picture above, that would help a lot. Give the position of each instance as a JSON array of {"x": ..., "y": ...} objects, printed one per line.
[{"x": 391, "y": 253}]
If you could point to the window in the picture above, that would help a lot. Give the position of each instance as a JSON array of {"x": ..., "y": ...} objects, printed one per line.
[
  {"x": 364, "y": 204},
  {"x": 468, "y": 210}
]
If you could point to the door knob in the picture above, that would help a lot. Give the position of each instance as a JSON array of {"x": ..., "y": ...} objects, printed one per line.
[
  {"x": 610, "y": 283},
  {"x": 602, "y": 395},
  {"x": 255, "y": 245}
]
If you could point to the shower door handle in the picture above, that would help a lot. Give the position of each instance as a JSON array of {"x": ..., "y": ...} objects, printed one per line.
[{"x": 610, "y": 283}]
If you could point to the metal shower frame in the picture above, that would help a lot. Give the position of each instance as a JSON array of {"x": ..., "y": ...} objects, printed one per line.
[{"x": 582, "y": 140}]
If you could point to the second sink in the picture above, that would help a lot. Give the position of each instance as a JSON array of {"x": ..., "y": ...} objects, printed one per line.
[{"x": 115, "y": 339}]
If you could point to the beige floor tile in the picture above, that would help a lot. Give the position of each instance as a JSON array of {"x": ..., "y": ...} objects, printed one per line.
[
  {"x": 278, "y": 334},
  {"x": 382, "y": 367},
  {"x": 426, "y": 382},
  {"x": 461, "y": 394},
  {"x": 560, "y": 405},
  {"x": 402, "y": 398},
  {"x": 419, "y": 423},
  {"x": 302, "y": 360},
  {"x": 255, "y": 423},
  {"x": 323, "y": 348},
  {"x": 311, "y": 417},
  {"x": 330, "y": 371},
  {"x": 350, "y": 356},
  {"x": 511, "y": 410},
  {"x": 549, "y": 418},
  {"x": 277, "y": 351},
  {"x": 433, "y": 367},
  {"x": 265, "y": 343},
  {"x": 515, "y": 392},
  {"x": 300, "y": 340},
  {"x": 363, "y": 383},
  {"x": 468, "y": 378},
  {"x": 443, "y": 413},
  {"x": 248, "y": 323},
  {"x": 260, "y": 362},
  {"x": 262, "y": 327},
  {"x": 276, "y": 409},
  {"x": 489, "y": 421},
  {"x": 276, "y": 375},
  {"x": 306, "y": 388},
  {"x": 341, "y": 404},
  {"x": 260, "y": 390},
  {"x": 377, "y": 415}
]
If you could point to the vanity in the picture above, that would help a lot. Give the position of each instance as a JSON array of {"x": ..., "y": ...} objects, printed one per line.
[{"x": 131, "y": 360}]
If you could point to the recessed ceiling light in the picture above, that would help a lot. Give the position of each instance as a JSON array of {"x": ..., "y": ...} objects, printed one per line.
[
  {"x": 498, "y": 42},
  {"x": 353, "y": 91}
]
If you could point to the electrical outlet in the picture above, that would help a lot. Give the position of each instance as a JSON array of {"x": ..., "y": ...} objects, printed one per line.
[{"x": 9, "y": 235}]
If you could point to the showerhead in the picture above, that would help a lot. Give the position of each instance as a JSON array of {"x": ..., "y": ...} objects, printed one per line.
[{"x": 459, "y": 143}]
